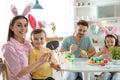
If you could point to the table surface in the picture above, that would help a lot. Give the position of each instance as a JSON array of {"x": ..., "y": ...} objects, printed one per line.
[{"x": 81, "y": 65}]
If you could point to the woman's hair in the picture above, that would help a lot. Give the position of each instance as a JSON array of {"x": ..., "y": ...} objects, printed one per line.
[
  {"x": 112, "y": 36},
  {"x": 82, "y": 22},
  {"x": 36, "y": 31},
  {"x": 12, "y": 22}
]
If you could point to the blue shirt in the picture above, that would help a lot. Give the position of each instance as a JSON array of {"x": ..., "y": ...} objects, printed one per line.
[{"x": 84, "y": 44}]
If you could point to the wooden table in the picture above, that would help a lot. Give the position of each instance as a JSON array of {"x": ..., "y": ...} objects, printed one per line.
[{"x": 54, "y": 39}]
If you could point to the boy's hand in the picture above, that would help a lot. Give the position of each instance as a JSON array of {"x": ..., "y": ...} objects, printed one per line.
[{"x": 56, "y": 67}]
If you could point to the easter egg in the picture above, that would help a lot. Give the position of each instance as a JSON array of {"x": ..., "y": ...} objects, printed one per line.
[
  {"x": 102, "y": 64},
  {"x": 102, "y": 61},
  {"x": 83, "y": 52},
  {"x": 89, "y": 61},
  {"x": 105, "y": 61}
]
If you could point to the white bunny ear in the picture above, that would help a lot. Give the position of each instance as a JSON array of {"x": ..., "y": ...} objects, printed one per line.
[
  {"x": 44, "y": 23},
  {"x": 114, "y": 30},
  {"x": 14, "y": 10},
  {"x": 27, "y": 9}
]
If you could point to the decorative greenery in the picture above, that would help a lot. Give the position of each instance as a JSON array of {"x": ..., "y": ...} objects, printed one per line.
[
  {"x": 53, "y": 27},
  {"x": 115, "y": 53}
]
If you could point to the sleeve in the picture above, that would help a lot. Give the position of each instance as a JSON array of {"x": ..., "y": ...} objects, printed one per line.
[
  {"x": 12, "y": 59},
  {"x": 65, "y": 44}
]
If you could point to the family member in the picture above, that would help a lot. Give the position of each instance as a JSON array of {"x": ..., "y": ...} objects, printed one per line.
[
  {"x": 15, "y": 51},
  {"x": 38, "y": 38},
  {"x": 111, "y": 40},
  {"x": 74, "y": 44}
]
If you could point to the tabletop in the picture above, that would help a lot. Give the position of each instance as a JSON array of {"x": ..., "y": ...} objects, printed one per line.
[{"x": 81, "y": 65}]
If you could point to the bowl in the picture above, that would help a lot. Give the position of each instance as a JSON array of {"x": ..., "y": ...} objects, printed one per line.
[{"x": 116, "y": 62}]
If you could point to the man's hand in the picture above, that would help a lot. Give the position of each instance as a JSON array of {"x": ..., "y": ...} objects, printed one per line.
[{"x": 73, "y": 48}]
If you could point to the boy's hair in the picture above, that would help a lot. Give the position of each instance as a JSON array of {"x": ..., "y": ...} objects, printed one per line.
[
  {"x": 82, "y": 22},
  {"x": 36, "y": 31},
  {"x": 112, "y": 36},
  {"x": 12, "y": 22}
]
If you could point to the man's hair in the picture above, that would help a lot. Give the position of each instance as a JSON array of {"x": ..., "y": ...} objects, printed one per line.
[{"x": 82, "y": 22}]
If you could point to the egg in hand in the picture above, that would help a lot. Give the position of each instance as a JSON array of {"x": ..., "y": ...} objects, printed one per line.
[{"x": 83, "y": 52}]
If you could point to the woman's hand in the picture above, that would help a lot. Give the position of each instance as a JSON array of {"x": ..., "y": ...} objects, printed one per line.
[
  {"x": 46, "y": 57},
  {"x": 73, "y": 48}
]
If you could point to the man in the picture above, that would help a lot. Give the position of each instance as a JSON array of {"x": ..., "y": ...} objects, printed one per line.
[{"x": 74, "y": 44}]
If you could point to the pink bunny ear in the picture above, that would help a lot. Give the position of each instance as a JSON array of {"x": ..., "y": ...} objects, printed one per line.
[
  {"x": 114, "y": 30},
  {"x": 14, "y": 10},
  {"x": 105, "y": 30},
  {"x": 40, "y": 24},
  {"x": 27, "y": 9},
  {"x": 32, "y": 21}
]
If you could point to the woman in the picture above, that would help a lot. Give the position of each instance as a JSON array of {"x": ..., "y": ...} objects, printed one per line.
[{"x": 15, "y": 51}]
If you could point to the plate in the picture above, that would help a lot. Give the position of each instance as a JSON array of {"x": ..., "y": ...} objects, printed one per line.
[{"x": 94, "y": 64}]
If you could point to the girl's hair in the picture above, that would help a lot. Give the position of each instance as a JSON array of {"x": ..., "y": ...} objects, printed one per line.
[
  {"x": 36, "y": 31},
  {"x": 12, "y": 22},
  {"x": 112, "y": 36}
]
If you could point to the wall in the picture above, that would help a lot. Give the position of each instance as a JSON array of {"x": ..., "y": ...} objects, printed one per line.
[
  {"x": 90, "y": 13},
  {"x": 58, "y": 11}
]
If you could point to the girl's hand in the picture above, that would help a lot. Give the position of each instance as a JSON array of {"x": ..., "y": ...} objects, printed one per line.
[
  {"x": 73, "y": 48},
  {"x": 105, "y": 55}
]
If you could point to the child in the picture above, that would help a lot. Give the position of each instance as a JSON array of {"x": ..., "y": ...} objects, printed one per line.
[
  {"x": 111, "y": 40},
  {"x": 38, "y": 38}
]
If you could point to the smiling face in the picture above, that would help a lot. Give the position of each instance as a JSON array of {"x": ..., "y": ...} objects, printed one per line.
[
  {"x": 20, "y": 28},
  {"x": 38, "y": 39},
  {"x": 110, "y": 42},
  {"x": 80, "y": 31}
]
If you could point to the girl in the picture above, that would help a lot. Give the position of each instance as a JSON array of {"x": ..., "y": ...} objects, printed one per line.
[
  {"x": 15, "y": 51},
  {"x": 111, "y": 40},
  {"x": 38, "y": 38}
]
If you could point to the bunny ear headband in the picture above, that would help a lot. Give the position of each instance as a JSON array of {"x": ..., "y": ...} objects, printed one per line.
[
  {"x": 25, "y": 12},
  {"x": 33, "y": 23},
  {"x": 113, "y": 31}
]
